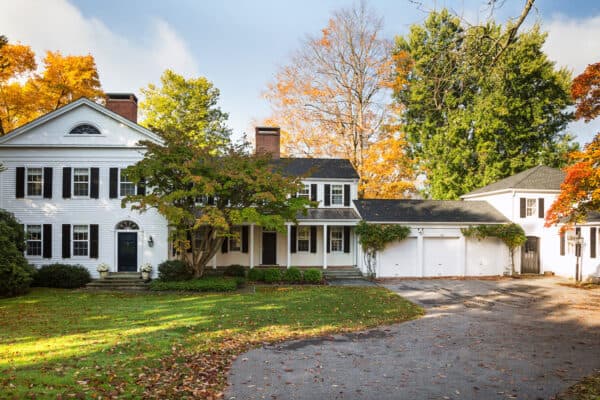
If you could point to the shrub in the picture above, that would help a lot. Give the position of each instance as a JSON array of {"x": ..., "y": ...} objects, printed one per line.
[
  {"x": 174, "y": 270},
  {"x": 209, "y": 284},
  {"x": 235, "y": 270},
  {"x": 272, "y": 275},
  {"x": 63, "y": 276},
  {"x": 15, "y": 272},
  {"x": 292, "y": 275},
  {"x": 313, "y": 276},
  {"x": 256, "y": 275}
]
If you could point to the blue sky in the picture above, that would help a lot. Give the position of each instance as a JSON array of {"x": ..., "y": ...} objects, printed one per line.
[{"x": 239, "y": 44}]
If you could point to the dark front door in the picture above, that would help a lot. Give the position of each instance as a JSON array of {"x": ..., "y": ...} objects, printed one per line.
[
  {"x": 269, "y": 248},
  {"x": 530, "y": 256},
  {"x": 127, "y": 251}
]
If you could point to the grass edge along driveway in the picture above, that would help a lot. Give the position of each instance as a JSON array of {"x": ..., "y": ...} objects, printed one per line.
[{"x": 77, "y": 344}]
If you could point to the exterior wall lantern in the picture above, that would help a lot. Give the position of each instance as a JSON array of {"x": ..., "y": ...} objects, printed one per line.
[{"x": 150, "y": 241}]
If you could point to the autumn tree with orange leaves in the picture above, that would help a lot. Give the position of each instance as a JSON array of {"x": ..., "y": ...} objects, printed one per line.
[
  {"x": 26, "y": 93},
  {"x": 580, "y": 192},
  {"x": 334, "y": 100}
]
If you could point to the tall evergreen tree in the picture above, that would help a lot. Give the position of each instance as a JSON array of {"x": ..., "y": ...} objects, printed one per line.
[{"x": 473, "y": 117}]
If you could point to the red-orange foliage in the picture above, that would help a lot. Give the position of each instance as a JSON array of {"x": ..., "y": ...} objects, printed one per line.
[{"x": 586, "y": 93}]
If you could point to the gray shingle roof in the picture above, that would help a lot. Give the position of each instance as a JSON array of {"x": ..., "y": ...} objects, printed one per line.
[
  {"x": 330, "y": 168},
  {"x": 593, "y": 216},
  {"x": 463, "y": 212},
  {"x": 330, "y": 213},
  {"x": 540, "y": 177}
]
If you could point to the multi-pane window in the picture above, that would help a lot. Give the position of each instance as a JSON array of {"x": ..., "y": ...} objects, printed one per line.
[
  {"x": 33, "y": 235},
  {"x": 303, "y": 238},
  {"x": 337, "y": 195},
  {"x": 81, "y": 182},
  {"x": 80, "y": 240},
  {"x": 127, "y": 188},
  {"x": 304, "y": 192},
  {"x": 531, "y": 207},
  {"x": 235, "y": 241},
  {"x": 337, "y": 238},
  {"x": 34, "y": 181}
]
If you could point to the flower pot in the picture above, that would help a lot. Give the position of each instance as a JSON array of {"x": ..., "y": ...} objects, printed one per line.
[
  {"x": 103, "y": 274},
  {"x": 145, "y": 275}
]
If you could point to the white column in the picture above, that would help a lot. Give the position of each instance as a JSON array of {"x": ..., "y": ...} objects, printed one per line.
[
  {"x": 252, "y": 246},
  {"x": 289, "y": 245},
  {"x": 215, "y": 262},
  {"x": 420, "y": 254},
  {"x": 324, "y": 246},
  {"x": 462, "y": 257}
]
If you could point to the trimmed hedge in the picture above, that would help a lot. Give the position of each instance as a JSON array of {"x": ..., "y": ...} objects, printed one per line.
[
  {"x": 209, "y": 284},
  {"x": 272, "y": 275},
  {"x": 292, "y": 275},
  {"x": 15, "y": 273},
  {"x": 65, "y": 276},
  {"x": 235, "y": 270},
  {"x": 256, "y": 275},
  {"x": 313, "y": 276},
  {"x": 174, "y": 270}
]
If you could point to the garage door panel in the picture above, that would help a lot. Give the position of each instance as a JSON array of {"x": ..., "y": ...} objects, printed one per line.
[
  {"x": 441, "y": 256},
  {"x": 399, "y": 259}
]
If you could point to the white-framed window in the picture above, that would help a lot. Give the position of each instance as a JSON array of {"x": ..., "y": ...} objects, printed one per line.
[
  {"x": 33, "y": 236},
  {"x": 81, "y": 182},
  {"x": 126, "y": 187},
  {"x": 530, "y": 207},
  {"x": 337, "y": 195},
  {"x": 235, "y": 241},
  {"x": 81, "y": 235},
  {"x": 305, "y": 192},
  {"x": 35, "y": 182},
  {"x": 303, "y": 238},
  {"x": 84, "y": 129},
  {"x": 337, "y": 238}
]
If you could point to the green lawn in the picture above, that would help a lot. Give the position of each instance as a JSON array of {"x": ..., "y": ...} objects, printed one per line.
[
  {"x": 60, "y": 343},
  {"x": 587, "y": 389}
]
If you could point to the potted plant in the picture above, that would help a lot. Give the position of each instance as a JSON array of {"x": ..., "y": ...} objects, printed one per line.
[
  {"x": 103, "y": 269},
  {"x": 146, "y": 271}
]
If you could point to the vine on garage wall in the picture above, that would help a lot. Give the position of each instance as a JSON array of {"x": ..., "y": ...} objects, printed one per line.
[
  {"x": 512, "y": 235},
  {"x": 374, "y": 238}
]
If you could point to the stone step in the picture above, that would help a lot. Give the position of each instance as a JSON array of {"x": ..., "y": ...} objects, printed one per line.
[
  {"x": 118, "y": 288},
  {"x": 122, "y": 283}
]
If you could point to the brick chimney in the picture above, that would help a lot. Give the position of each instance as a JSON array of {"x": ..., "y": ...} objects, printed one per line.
[
  {"x": 124, "y": 104},
  {"x": 267, "y": 140}
]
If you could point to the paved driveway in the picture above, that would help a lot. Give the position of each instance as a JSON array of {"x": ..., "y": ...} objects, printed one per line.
[{"x": 523, "y": 339}]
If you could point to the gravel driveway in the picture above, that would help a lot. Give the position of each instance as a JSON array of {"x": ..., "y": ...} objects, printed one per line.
[{"x": 480, "y": 339}]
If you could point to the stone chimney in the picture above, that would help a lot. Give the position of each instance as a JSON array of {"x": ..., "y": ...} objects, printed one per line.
[
  {"x": 267, "y": 140},
  {"x": 124, "y": 104}
]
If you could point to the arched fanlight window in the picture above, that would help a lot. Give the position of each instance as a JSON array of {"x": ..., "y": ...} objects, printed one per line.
[
  {"x": 127, "y": 225},
  {"x": 84, "y": 129}
]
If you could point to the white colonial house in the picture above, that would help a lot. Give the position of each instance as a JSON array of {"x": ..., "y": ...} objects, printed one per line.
[{"x": 63, "y": 181}]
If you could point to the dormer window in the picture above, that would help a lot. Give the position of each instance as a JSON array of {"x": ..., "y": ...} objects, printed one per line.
[{"x": 84, "y": 129}]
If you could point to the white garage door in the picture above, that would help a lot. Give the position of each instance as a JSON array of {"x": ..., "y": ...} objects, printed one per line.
[
  {"x": 441, "y": 256},
  {"x": 399, "y": 259}
]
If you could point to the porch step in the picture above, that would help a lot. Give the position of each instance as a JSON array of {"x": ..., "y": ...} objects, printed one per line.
[
  {"x": 119, "y": 281},
  {"x": 343, "y": 273}
]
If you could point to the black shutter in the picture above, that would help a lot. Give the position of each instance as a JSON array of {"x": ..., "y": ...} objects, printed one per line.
[
  {"x": 225, "y": 245},
  {"x": 346, "y": 239},
  {"x": 328, "y": 239},
  {"x": 47, "y": 245},
  {"x": 210, "y": 200},
  {"x": 245, "y": 232},
  {"x": 593, "y": 237},
  {"x": 95, "y": 183},
  {"x": 562, "y": 244},
  {"x": 313, "y": 192},
  {"x": 113, "y": 186},
  {"x": 523, "y": 212},
  {"x": 66, "y": 182},
  {"x": 346, "y": 195},
  {"x": 541, "y": 212},
  {"x": 66, "y": 241},
  {"x": 141, "y": 187},
  {"x": 327, "y": 195},
  {"x": 93, "y": 241},
  {"x": 20, "y": 182},
  {"x": 293, "y": 237},
  {"x": 48, "y": 182},
  {"x": 313, "y": 239}
]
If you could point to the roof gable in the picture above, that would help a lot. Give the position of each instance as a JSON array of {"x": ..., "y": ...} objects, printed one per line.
[
  {"x": 52, "y": 129},
  {"x": 536, "y": 178},
  {"x": 324, "y": 168}
]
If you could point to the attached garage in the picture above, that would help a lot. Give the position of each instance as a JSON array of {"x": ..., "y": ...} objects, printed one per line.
[{"x": 436, "y": 246}]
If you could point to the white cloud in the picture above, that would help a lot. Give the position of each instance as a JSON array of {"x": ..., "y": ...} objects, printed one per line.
[{"x": 124, "y": 63}]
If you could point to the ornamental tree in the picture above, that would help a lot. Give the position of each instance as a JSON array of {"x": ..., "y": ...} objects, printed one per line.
[{"x": 586, "y": 93}]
